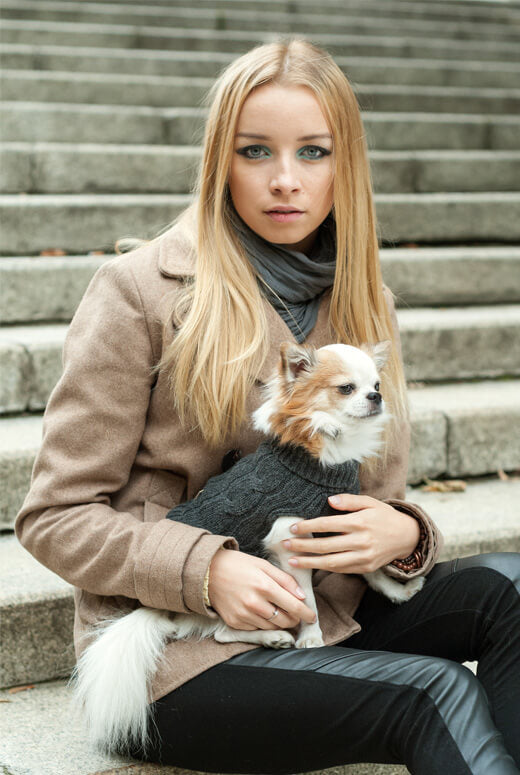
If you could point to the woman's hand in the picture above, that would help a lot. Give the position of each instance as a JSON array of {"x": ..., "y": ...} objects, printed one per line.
[
  {"x": 244, "y": 590},
  {"x": 372, "y": 535}
]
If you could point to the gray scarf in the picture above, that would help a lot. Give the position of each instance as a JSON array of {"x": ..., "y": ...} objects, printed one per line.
[{"x": 298, "y": 281}]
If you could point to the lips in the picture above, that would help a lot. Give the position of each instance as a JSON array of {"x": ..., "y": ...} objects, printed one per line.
[
  {"x": 283, "y": 209},
  {"x": 284, "y": 214}
]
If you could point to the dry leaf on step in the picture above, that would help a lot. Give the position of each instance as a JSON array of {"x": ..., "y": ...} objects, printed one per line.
[
  {"x": 444, "y": 485},
  {"x": 15, "y": 689}
]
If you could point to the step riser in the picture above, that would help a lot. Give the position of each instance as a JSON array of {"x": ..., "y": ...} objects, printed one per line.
[
  {"x": 37, "y": 641},
  {"x": 464, "y": 12},
  {"x": 83, "y": 223},
  {"x": 104, "y": 89},
  {"x": 369, "y": 71},
  {"x": 40, "y": 122},
  {"x": 77, "y": 170},
  {"x": 244, "y": 21},
  {"x": 49, "y": 290},
  {"x": 115, "y": 36}
]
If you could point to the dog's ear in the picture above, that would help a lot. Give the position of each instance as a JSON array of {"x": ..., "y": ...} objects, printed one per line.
[
  {"x": 379, "y": 352},
  {"x": 296, "y": 360}
]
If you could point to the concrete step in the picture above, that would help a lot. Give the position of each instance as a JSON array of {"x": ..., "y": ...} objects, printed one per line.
[
  {"x": 128, "y": 124},
  {"x": 335, "y": 21},
  {"x": 204, "y": 64},
  {"x": 466, "y": 10},
  {"x": 129, "y": 36},
  {"x": 465, "y": 429},
  {"x": 48, "y": 289},
  {"x": 20, "y": 439},
  {"x": 44, "y": 736},
  {"x": 81, "y": 223},
  {"x": 438, "y": 344},
  {"x": 37, "y": 168},
  {"x": 163, "y": 91},
  {"x": 37, "y": 605}
]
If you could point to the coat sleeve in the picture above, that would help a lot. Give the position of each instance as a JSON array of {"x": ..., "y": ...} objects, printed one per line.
[
  {"x": 389, "y": 485},
  {"x": 92, "y": 428}
]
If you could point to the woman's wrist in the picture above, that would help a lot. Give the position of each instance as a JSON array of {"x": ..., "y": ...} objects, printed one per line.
[{"x": 415, "y": 559}]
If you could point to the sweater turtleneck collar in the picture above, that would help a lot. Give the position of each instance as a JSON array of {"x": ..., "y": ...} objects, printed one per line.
[{"x": 342, "y": 477}]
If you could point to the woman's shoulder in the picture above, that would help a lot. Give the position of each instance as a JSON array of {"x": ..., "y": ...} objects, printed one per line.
[{"x": 156, "y": 263}]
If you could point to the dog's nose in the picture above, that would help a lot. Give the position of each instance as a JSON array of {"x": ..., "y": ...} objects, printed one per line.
[{"x": 376, "y": 397}]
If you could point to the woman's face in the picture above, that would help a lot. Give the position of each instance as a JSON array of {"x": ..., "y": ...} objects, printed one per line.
[{"x": 282, "y": 158}]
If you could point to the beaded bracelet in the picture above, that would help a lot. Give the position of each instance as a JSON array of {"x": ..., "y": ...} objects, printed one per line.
[{"x": 415, "y": 560}]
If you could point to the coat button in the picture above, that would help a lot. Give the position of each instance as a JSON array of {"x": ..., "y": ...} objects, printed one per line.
[{"x": 230, "y": 458}]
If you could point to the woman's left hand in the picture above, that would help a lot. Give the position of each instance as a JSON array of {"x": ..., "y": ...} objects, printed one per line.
[{"x": 370, "y": 536}]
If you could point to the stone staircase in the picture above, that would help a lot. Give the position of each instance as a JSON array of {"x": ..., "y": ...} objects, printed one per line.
[{"x": 101, "y": 135}]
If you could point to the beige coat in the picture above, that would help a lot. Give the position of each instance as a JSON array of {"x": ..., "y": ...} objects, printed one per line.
[{"x": 114, "y": 459}]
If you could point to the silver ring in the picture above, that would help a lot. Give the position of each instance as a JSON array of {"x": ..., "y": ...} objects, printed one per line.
[{"x": 276, "y": 612}]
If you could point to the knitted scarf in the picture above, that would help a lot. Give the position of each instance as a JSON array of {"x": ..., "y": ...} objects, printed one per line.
[{"x": 296, "y": 282}]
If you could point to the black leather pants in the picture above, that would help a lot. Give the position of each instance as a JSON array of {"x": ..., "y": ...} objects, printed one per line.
[{"x": 393, "y": 693}]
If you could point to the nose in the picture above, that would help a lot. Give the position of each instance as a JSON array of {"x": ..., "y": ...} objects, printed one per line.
[
  {"x": 284, "y": 179},
  {"x": 375, "y": 397}
]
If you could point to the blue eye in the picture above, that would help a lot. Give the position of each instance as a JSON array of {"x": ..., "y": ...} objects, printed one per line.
[
  {"x": 252, "y": 151},
  {"x": 314, "y": 152}
]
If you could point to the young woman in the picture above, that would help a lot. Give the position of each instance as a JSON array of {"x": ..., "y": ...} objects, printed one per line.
[{"x": 163, "y": 365}]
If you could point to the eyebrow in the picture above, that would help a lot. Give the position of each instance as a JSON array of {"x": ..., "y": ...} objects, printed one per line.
[{"x": 265, "y": 137}]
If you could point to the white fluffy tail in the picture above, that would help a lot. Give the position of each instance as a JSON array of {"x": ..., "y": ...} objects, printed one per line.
[{"x": 111, "y": 679}]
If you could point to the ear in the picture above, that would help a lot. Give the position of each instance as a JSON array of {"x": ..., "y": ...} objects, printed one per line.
[
  {"x": 379, "y": 352},
  {"x": 295, "y": 360},
  {"x": 382, "y": 352}
]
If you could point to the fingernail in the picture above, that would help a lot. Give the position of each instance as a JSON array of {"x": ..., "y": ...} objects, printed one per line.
[
  {"x": 335, "y": 500},
  {"x": 287, "y": 544},
  {"x": 293, "y": 562},
  {"x": 294, "y": 528},
  {"x": 300, "y": 592}
]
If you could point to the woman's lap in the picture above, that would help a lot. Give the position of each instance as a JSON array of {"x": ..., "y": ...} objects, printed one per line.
[{"x": 295, "y": 710}]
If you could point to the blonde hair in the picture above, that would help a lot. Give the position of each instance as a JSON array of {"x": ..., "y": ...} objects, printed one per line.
[{"x": 220, "y": 346}]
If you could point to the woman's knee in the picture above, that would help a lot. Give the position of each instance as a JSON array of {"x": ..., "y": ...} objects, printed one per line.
[
  {"x": 507, "y": 564},
  {"x": 499, "y": 567}
]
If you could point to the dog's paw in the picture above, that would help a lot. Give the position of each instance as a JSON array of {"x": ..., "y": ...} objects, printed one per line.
[
  {"x": 277, "y": 639},
  {"x": 309, "y": 642},
  {"x": 309, "y": 638}
]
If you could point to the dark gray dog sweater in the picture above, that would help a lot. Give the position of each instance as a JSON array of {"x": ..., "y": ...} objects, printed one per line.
[{"x": 276, "y": 480}]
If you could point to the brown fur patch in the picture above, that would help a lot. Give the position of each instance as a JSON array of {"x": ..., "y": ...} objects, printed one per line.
[{"x": 305, "y": 398}]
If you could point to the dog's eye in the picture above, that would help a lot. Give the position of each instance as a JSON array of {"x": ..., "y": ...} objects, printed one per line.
[
  {"x": 376, "y": 387},
  {"x": 346, "y": 389}
]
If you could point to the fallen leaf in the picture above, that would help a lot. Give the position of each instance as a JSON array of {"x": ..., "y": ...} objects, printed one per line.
[
  {"x": 444, "y": 485},
  {"x": 502, "y": 475},
  {"x": 16, "y": 689},
  {"x": 96, "y": 253},
  {"x": 53, "y": 252}
]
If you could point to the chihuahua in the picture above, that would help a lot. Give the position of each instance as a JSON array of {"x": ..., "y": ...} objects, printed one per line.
[{"x": 323, "y": 415}]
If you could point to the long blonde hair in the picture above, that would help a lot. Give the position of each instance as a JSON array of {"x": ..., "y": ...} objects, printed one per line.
[{"x": 220, "y": 346}]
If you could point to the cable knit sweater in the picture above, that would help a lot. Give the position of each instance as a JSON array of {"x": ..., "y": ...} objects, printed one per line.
[{"x": 275, "y": 480}]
